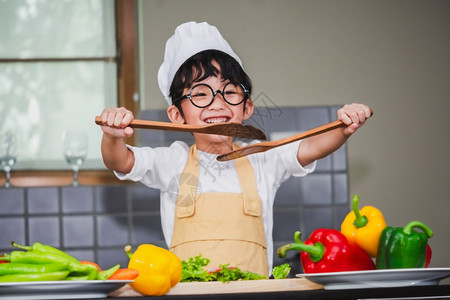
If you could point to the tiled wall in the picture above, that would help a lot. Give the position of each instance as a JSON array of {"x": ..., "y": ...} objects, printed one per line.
[
  {"x": 90, "y": 222},
  {"x": 95, "y": 222}
]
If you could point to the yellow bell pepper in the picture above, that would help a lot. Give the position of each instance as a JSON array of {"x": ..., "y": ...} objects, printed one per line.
[
  {"x": 363, "y": 227},
  {"x": 159, "y": 269}
]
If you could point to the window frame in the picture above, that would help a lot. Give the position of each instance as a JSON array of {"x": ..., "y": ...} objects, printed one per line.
[{"x": 128, "y": 96}]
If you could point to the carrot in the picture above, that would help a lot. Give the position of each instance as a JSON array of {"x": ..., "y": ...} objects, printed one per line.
[
  {"x": 124, "y": 274},
  {"x": 3, "y": 261},
  {"x": 91, "y": 263}
]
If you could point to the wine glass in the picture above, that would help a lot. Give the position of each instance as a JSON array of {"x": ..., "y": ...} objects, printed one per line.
[
  {"x": 75, "y": 147},
  {"x": 9, "y": 150}
]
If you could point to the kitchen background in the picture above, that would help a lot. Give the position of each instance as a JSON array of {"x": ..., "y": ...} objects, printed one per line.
[{"x": 304, "y": 58}]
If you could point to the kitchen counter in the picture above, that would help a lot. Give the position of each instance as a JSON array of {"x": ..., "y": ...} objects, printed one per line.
[
  {"x": 299, "y": 288},
  {"x": 291, "y": 289},
  {"x": 414, "y": 292}
]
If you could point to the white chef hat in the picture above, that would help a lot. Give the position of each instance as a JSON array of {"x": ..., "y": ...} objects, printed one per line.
[{"x": 189, "y": 39}]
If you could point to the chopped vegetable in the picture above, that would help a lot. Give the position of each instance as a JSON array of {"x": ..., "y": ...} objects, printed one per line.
[
  {"x": 281, "y": 271},
  {"x": 227, "y": 274},
  {"x": 194, "y": 270}
]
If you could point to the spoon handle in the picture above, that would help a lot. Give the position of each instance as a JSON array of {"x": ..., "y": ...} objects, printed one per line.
[{"x": 228, "y": 129}]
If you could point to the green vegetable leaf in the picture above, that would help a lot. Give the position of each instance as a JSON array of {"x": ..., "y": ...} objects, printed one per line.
[
  {"x": 226, "y": 273},
  {"x": 246, "y": 275},
  {"x": 193, "y": 270},
  {"x": 281, "y": 271}
]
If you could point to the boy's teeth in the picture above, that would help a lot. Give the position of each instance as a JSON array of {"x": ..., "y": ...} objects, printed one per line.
[{"x": 216, "y": 120}]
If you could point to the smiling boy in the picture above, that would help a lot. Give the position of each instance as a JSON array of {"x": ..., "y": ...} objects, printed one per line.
[{"x": 220, "y": 210}]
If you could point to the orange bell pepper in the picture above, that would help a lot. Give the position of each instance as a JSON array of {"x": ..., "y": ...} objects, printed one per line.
[
  {"x": 363, "y": 227},
  {"x": 159, "y": 269}
]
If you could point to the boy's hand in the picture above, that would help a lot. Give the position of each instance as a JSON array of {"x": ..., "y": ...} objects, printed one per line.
[
  {"x": 354, "y": 116},
  {"x": 115, "y": 122}
]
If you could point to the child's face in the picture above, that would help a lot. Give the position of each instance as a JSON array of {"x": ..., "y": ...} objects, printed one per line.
[{"x": 218, "y": 111}]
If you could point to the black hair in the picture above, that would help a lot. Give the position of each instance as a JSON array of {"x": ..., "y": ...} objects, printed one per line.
[{"x": 199, "y": 67}]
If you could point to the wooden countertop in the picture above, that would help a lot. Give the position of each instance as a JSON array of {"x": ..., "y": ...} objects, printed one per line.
[
  {"x": 233, "y": 287},
  {"x": 309, "y": 293}
]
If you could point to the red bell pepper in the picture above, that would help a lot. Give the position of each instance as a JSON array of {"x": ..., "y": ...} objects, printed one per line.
[
  {"x": 328, "y": 250},
  {"x": 428, "y": 254}
]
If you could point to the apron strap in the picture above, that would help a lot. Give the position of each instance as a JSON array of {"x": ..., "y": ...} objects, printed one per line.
[
  {"x": 187, "y": 195},
  {"x": 252, "y": 203}
]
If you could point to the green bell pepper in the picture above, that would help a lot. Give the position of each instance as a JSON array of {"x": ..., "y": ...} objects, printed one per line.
[{"x": 403, "y": 247}]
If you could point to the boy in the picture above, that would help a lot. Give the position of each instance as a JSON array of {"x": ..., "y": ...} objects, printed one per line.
[{"x": 220, "y": 210}]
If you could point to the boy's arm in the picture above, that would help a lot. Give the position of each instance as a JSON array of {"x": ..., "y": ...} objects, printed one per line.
[
  {"x": 314, "y": 148},
  {"x": 115, "y": 153}
]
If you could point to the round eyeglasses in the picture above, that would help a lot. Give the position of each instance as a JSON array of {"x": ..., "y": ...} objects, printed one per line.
[{"x": 202, "y": 95}]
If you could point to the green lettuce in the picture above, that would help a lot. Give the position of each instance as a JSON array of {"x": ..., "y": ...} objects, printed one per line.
[
  {"x": 194, "y": 270},
  {"x": 281, "y": 271}
]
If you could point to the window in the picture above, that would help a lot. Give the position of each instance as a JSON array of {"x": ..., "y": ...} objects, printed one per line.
[{"x": 63, "y": 63}]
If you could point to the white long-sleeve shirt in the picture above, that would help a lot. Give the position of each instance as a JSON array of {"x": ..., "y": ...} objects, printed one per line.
[{"x": 161, "y": 167}]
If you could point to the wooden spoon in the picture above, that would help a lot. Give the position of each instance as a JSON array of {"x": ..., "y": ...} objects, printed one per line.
[
  {"x": 229, "y": 129},
  {"x": 264, "y": 146}
]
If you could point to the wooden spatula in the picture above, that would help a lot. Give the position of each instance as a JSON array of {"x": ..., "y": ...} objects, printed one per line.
[
  {"x": 264, "y": 146},
  {"x": 229, "y": 129}
]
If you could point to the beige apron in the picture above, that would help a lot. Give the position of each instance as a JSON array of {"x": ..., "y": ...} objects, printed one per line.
[{"x": 225, "y": 227}]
